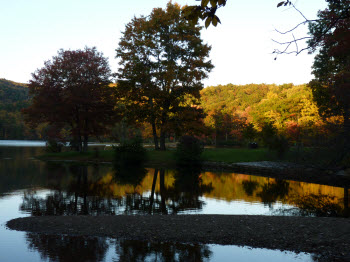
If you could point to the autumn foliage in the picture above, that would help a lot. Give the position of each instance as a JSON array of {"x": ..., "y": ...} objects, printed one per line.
[
  {"x": 162, "y": 63},
  {"x": 72, "y": 91}
]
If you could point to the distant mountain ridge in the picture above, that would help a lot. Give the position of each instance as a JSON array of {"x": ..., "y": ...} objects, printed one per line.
[{"x": 13, "y": 96}]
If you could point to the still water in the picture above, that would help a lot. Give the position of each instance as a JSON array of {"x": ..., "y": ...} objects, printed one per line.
[{"x": 31, "y": 187}]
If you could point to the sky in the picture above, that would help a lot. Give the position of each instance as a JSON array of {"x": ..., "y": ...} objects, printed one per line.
[{"x": 32, "y": 31}]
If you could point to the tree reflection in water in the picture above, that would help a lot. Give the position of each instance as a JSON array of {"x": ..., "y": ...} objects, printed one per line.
[
  {"x": 145, "y": 251},
  {"x": 182, "y": 195},
  {"x": 68, "y": 248},
  {"x": 271, "y": 192},
  {"x": 98, "y": 190},
  {"x": 250, "y": 187},
  {"x": 79, "y": 197},
  {"x": 88, "y": 195},
  {"x": 78, "y": 248},
  {"x": 320, "y": 205},
  {"x": 187, "y": 190}
]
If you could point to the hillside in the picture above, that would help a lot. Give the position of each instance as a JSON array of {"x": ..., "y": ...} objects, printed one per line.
[
  {"x": 13, "y": 97},
  {"x": 231, "y": 107}
]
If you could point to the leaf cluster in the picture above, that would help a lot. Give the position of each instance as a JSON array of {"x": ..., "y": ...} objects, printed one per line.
[{"x": 204, "y": 11}]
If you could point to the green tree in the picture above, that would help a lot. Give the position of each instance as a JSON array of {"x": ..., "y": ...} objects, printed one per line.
[
  {"x": 73, "y": 89},
  {"x": 163, "y": 61}
]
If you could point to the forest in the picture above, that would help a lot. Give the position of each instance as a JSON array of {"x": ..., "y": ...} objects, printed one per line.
[
  {"x": 229, "y": 112},
  {"x": 13, "y": 98}
]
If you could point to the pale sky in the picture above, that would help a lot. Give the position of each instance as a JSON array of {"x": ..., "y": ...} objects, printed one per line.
[{"x": 32, "y": 31}]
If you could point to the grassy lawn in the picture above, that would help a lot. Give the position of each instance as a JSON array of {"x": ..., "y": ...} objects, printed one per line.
[
  {"x": 234, "y": 155},
  {"x": 229, "y": 155}
]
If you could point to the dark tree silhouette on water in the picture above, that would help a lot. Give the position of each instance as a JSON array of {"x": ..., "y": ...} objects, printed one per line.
[
  {"x": 68, "y": 248},
  {"x": 79, "y": 248},
  {"x": 73, "y": 89}
]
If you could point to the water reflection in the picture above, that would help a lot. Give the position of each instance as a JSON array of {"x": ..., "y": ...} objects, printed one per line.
[
  {"x": 318, "y": 205},
  {"x": 65, "y": 189},
  {"x": 128, "y": 250},
  {"x": 73, "y": 248},
  {"x": 68, "y": 248},
  {"x": 271, "y": 192},
  {"x": 77, "y": 248},
  {"x": 97, "y": 190}
]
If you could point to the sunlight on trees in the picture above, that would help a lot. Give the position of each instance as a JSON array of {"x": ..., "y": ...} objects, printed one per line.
[{"x": 162, "y": 63}]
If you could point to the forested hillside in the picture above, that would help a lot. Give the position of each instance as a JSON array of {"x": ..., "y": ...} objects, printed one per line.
[
  {"x": 231, "y": 111},
  {"x": 231, "y": 108},
  {"x": 13, "y": 98}
]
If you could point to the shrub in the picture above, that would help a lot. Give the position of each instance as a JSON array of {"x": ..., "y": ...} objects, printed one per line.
[
  {"x": 188, "y": 151},
  {"x": 280, "y": 144},
  {"x": 130, "y": 153},
  {"x": 268, "y": 133},
  {"x": 253, "y": 145},
  {"x": 53, "y": 146}
]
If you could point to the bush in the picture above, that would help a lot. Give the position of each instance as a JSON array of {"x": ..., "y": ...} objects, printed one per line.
[
  {"x": 268, "y": 133},
  {"x": 280, "y": 144},
  {"x": 228, "y": 143},
  {"x": 53, "y": 146},
  {"x": 130, "y": 153},
  {"x": 188, "y": 151},
  {"x": 253, "y": 145}
]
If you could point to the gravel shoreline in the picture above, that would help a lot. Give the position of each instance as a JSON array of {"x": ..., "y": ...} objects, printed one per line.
[{"x": 326, "y": 237}]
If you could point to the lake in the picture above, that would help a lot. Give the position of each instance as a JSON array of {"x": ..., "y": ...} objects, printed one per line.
[{"x": 31, "y": 187}]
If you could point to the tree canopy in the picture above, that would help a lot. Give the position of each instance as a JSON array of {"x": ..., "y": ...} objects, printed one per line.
[
  {"x": 162, "y": 63},
  {"x": 73, "y": 90},
  {"x": 330, "y": 37}
]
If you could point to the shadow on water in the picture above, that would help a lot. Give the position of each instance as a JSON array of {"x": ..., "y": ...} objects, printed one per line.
[
  {"x": 68, "y": 248},
  {"x": 76, "y": 248},
  {"x": 146, "y": 251}
]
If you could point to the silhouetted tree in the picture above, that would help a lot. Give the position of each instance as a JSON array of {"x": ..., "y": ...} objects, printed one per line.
[
  {"x": 163, "y": 61},
  {"x": 73, "y": 90}
]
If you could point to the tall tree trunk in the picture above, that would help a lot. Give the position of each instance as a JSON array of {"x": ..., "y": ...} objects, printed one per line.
[
  {"x": 85, "y": 209},
  {"x": 346, "y": 202},
  {"x": 344, "y": 146},
  {"x": 162, "y": 191},
  {"x": 162, "y": 139},
  {"x": 153, "y": 189},
  {"x": 80, "y": 148},
  {"x": 155, "y": 137},
  {"x": 86, "y": 136},
  {"x": 346, "y": 130},
  {"x": 86, "y": 140}
]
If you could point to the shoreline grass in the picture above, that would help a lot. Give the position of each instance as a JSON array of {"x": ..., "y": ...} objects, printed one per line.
[{"x": 167, "y": 158}]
